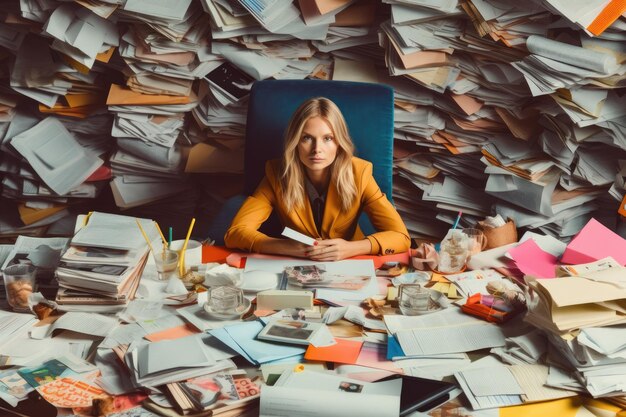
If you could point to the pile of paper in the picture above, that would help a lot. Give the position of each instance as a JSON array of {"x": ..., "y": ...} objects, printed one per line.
[
  {"x": 495, "y": 385},
  {"x": 486, "y": 96},
  {"x": 147, "y": 164},
  {"x": 48, "y": 164},
  {"x": 591, "y": 300},
  {"x": 505, "y": 106},
  {"x": 103, "y": 265},
  {"x": 66, "y": 90},
  {"x": 436, "y": 344}
]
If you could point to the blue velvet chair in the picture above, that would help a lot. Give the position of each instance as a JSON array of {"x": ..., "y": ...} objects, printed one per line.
[{"x": 367, "y": 108}]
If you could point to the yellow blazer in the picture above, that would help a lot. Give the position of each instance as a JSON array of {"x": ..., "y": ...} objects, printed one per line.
[{"x": 393, "y": 236}]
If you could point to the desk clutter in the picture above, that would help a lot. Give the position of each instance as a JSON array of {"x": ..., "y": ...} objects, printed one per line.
[{"x": 514, "y": 328}]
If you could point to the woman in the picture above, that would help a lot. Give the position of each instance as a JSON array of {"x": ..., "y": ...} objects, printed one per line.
[{"x": 319, "y": 188}]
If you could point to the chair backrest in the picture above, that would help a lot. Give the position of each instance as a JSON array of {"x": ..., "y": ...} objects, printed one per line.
[{"x": 367, "y": 108}]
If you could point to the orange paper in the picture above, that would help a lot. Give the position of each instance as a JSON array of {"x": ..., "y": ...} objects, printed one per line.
[
  {"x": 622, "y": 207},
  {"x": 177, "y": 332},
  {"x": 606, "y": 18},
  {"x": 344, "y": 351},
  {"x": 119, "y": 95},
  {"x": 468, "y": 104},
  {"x": 106, "y": 55}
]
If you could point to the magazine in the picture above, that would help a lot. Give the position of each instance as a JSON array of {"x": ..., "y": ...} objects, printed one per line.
[
  {"x": 316, "y": 276},
  {"x": 218, "y": 392}
]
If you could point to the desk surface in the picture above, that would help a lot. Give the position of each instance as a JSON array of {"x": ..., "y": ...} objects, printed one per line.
[{"x": 343, "y": 329}]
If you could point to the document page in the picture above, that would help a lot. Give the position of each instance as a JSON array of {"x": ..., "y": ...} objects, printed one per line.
[
  {"x": 86, "y": 323},
  {"x": 299, "y": 394},
  {"x": 55, "y": 155},
  {"x": 450, "y": 339}
]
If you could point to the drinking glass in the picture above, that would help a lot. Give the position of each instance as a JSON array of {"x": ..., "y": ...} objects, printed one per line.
[
  {"x": 19, "y": 282},
  {"x": 225, "y": 299},
  {"x": 166, "y": 262},
  {"x": 413, "y": 299},
  {"x": 478, "y": 240}
]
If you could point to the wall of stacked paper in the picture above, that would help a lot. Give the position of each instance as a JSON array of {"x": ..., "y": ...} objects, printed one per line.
[{"x": 501, "y": 106}]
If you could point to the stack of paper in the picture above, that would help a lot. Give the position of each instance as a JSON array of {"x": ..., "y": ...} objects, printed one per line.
[
  {"x": 292, "y": 394},
  {"x": 80, "y": 34},
  {"x": 448, "y": 331},
  {"x": 590, "y": 300},
  {"x": 156, "y": 363},
  {"x": 419, "y": 40},
  {"x": 46, "y": 171},
  {"x": 104, "y": 262},
  {"x": 501, "y": 386},
  {"x": 566, "y": 304},
  {"x": 147, "y": 165},
  {"x": 527, "y": 348}
]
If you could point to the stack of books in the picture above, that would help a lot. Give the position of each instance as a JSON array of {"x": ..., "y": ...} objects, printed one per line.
[{"x": 103, "y": 265}]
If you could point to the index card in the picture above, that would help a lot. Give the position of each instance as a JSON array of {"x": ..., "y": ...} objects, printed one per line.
[{"x": 299, "y": 237}]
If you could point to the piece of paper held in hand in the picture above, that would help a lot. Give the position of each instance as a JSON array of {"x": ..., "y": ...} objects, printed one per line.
[{"x": 299, "y": 237}]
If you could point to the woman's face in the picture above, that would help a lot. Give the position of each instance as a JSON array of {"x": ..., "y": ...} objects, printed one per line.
[{"x": 317, "y": 147}]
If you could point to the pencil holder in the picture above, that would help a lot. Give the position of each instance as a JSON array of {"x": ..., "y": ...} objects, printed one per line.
[{"x": 499, "y": 236}]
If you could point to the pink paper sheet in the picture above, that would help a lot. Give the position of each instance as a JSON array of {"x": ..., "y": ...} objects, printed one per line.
[
  {"x": 595, "y": 241},
  {"x": 532, "y": 260}
]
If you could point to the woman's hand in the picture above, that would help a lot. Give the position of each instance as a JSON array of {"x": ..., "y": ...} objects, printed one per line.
[{"x": 337, "y": 249}]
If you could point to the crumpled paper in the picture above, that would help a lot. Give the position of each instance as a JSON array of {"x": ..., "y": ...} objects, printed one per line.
[{"x": 424, "y": 257}]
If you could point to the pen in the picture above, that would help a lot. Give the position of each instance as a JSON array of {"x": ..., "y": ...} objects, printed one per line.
[
  {"x": 458, "y": 218},
  {"x": 169, "y": 237}
]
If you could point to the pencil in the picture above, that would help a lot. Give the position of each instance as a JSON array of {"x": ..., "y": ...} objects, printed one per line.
[
  {"x": 181, "y": 266},
  {"x": 161, "y": 233},
  {"x": 169, "y": 241},
  {"x": 458, "y": 218},
  {"x": 145, "y": 236}
]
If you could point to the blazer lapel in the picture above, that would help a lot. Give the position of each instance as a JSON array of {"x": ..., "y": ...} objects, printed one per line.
[{"x": 305, "y": 215}]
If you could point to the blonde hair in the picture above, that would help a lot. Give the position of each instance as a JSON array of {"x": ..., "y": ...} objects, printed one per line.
[{"x": 293, "y": 173}]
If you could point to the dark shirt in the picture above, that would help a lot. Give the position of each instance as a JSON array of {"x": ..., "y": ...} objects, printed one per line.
[{"x": 318, "y": 201}]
